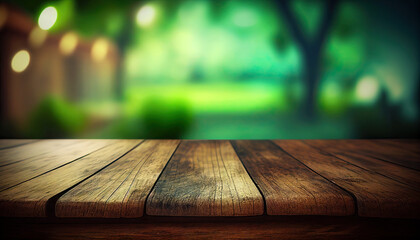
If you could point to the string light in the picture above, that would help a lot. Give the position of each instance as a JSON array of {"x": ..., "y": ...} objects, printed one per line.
[
  {"x": 47, "y": 18},
  {"x": 99, "y": 49},
  {"x": 20, "y": 61},
  {"x": 145, "y": 16},
  {"x": 68, "y": 43}
]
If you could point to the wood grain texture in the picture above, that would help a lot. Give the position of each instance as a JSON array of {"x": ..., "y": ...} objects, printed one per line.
[
  {"x": 399, "y": 173},
  {"x": 377, "y": 150},
  {"x": 29, "y": 199},
  {"x": 121, "y": 189},
  {"x": 56, "y": 154},
  {"x": 377, "y": 196},
  {"x": 289, "y": 187},
  {"x": 406, "y": 144},
  {"x": 28, "y": 152},
  {"x": 10, "y": 143},
  {"x": 205, "y": 178}
]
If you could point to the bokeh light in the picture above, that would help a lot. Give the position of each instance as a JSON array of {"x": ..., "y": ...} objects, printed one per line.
[
  {"x": 20, "y": 61},
  {"x": 37, "y": 37},
  {"x": 47, "y": 18},
  {"x": 242, "y": 69},
  {"x": 145, "y": 15},
  {"x": 68, "y": 43},
  {"x": 99, "y": 49},
  {"x": 367, "y": 89}
]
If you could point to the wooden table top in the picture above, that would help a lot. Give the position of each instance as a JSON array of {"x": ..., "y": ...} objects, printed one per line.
[{"x": 135, "y": 178}]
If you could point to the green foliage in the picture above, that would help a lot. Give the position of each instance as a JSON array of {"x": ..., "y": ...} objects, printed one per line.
[
  {"x": 165, "y": 118},
  {"x": 65, "y": 15},
  {"x": 346, "y": 44},
  {"x": 155, "y": 117},
  {"x": 55, "y": 118},
  {"x": 196, "y": 46},
  {"x": 335, "y": 97}
]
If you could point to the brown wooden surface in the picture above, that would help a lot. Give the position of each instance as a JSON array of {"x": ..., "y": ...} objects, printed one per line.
[
  {"x": 116, "y": 179},
  {"x": 29, "y": 199},
  {"x": 377, "y": 196},
  {"x": 289, "y": 187},
  {"x": 385, "y": 152},
  {"x": 399, "y": 173},
  {"x": 10, "y": 143},
  {"x": 407, "y": 144},
  {"x": 205, "y": 178},
  {"x": 31, "y": 151},
  {"x": 121, "y": 189},
  {"x": 46, "y": 156}
]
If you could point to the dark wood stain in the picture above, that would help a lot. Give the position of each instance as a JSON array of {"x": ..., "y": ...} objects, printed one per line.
[
  {"x": 289, "y": 187},
  {"x": 377, "y": 196}
]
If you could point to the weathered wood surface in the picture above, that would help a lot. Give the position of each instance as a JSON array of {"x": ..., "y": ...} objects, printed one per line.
[
  {"x": 399, "y": 173},
  {"x": 205, "y": 178},
  {"x": 288, "y": 186},
  {"x": 122, "y": 178},
  {"x": 121, "y": 189},
  {"x": 46, "y": 156},
  {"x": 29, "y": 199},
  {"x": 30, "y": 151},
  {"x": 10, "y": 143},
  {"x": 406, "y": 144},
  {"x": 377, "y": 196},
  {"x": 393, "y": 154}
]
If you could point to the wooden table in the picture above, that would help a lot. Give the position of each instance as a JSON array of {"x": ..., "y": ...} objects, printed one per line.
[{"x": 288, "y": 189}]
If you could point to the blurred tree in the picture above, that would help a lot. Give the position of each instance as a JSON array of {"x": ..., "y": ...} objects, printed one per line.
[{"x": 311, "y": 48}]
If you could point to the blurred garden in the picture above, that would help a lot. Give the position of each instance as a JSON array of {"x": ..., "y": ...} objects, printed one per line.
[{"x": 202, "y": 69}]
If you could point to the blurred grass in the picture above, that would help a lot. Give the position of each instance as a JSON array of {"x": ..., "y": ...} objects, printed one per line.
[{"x": 214, "y": 98}]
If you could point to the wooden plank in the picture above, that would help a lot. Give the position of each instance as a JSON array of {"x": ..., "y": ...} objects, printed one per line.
[
  {"x": 10, "y": 143},
  {"x": 377, "y": 196},
  {"x": 289, "y": 187},
  {"x": 121, "y": 189},
  {"x": 384, "y": 152},
  {"x": 406, "y": 144},
  {"x": 60, "y": 154},
  {"x": 29, "y": 199},
  {"x": 205, "y": 178},
  {"x": 37, "y": 149},
  {"x": 399, "y": 173}
]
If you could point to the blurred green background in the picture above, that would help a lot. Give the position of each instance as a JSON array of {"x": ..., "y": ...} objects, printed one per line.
[{"x": 201, "y": 69}]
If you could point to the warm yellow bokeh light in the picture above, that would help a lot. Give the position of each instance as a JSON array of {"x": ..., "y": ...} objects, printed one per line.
[
  {"x": 20, "y": 61},
  {"x": 367, "y": 89},
  {"x": 37, "y": 37},
  {"x": 47, "y": 18},
  {"x": 145, "y": 16},
  {"x": 99, "y": 49},
  {"x": 68, "y": 43}
]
